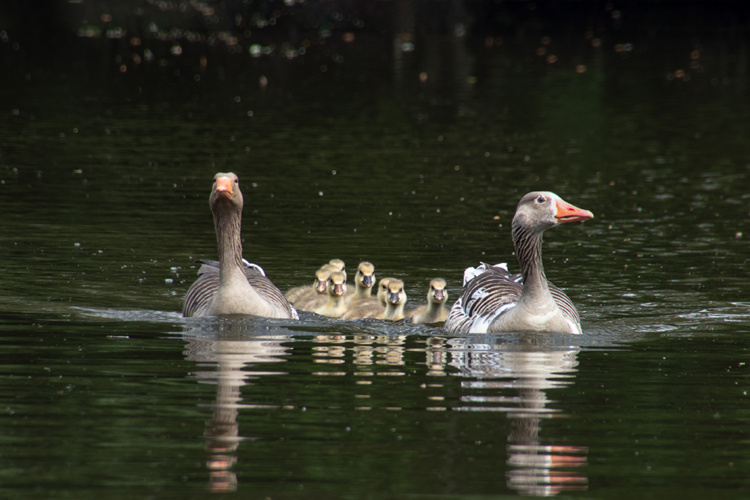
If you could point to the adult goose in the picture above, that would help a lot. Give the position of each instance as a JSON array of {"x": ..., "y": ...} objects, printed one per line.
[
  {"x": 493, "y": 300},
  {"x": 234, "y": 286},
  {"x": 434, "y": 311}
]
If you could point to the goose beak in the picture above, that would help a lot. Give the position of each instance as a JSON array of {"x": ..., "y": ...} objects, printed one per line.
[
  {"x": 393, "y": 298},
  {"x": 338, "y": 289},
  {"x": 321, "y": 288},
  {"x": 367, "y": 281},
  {"x": 568, "y": 213},
  {"x": 224, "y": 187},
  {"x": 439, "y": 295}
]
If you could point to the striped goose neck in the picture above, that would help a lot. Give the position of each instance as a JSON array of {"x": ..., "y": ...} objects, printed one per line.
[
  {"x": 228, "y": 227},
  {"x": 528, "y": 244}
]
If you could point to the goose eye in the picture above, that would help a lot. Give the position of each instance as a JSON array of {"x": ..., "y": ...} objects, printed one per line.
[{"x": 541, "y": 199}]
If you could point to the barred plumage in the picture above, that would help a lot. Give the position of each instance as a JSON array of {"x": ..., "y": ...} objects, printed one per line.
[
  {"x": 493, "y": 300},
  {"x": 202, "y": 292},
  {"x": 232, "y": 286}
]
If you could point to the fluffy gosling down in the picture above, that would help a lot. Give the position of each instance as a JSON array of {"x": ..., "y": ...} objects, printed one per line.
[{"x": 435, "y": 311}]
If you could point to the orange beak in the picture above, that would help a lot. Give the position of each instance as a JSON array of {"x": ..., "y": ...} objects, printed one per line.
[
  {"x": 224, "y": 187},
  {"x": 338, "y": 289},
  {"x": 568, "y": 213}
]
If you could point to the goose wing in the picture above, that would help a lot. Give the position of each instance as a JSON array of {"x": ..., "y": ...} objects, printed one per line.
[
  {"x": 486, "y": 295},
  {"x": 490, "y": 291},
  {"x": 565, "y": 304},
  {"x": 202, "y": 292}
]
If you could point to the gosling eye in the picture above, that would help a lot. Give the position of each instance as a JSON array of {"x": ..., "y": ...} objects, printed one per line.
[{"x": 541, "y": 199}]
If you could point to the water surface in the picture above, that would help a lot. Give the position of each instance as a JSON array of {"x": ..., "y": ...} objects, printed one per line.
[{"x": 364, "y": 149}]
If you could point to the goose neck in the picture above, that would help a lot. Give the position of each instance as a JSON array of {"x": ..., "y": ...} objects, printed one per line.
[
  {"x": 228, "y": 227},
  {"x": 528, "y": 244}
]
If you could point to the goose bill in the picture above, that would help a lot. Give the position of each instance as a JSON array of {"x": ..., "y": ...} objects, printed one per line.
[
  {"x": 569, "y": 213},
  {"x": 224, "y": 186}
]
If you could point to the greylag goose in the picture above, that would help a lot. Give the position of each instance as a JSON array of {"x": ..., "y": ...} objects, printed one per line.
[
  {"x": 372, "y": 307},
  {"x": 369, "y": 307},
  {"x": 234, "y": 286},
  {"x": 383, "y": 291},
  {"x": 364, "y": 280},
  {"x": 492, "y": 300},
  {"x": 337, "y": 264},
  {"x": 395, "y": 298},
  {"x": 301, "y": 293},
  {"x": 434, "y": 311},
  {"x": 336, "y": 305},
  {"x": 312, "y": 297}
]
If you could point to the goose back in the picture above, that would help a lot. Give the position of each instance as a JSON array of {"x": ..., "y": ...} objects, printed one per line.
[
  {"x": 494, "y": 292},
  {"x": 201, "y": 294}
]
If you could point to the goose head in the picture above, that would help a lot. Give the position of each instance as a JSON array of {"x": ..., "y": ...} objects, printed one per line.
[
  {"x": 365, "y": 276},
  {"x": 540, "y": 210},
  {"x": 437, "y": 293},
  {"x": 321, "y": 280},
  {"x": 383, "y": 291},
  {"x": 395, "y": 294},
  {"x": 226, "y": 194},
  {"x": 337, "y": 284},
  {"x": 335, "y": 265}
]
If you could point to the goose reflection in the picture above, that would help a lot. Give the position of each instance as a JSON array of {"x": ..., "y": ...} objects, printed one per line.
[
  {"x": 227, "y": 351},
  {"x": 513, "y": 378}
]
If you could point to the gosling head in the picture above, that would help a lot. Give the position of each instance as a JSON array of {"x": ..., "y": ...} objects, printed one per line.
[
  {"x": 337, "y": 284},
  {"x": 365, "y": 276},
  {"x": 437, "y": 292}
]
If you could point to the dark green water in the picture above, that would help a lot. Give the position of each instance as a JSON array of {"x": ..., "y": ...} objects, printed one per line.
[{"x": 343, "y": 151}]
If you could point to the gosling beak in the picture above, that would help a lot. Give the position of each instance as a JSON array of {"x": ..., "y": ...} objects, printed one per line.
[
  {"x": 367, "y": 281},
  {"x": 439, "y": 294},
  {"x": 338, "y": 289},
  {"x": 321, "y": 288}
]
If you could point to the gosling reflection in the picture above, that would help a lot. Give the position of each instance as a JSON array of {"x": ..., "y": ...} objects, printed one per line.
[
  {"x": 367, "y": 350},
  {"x": 226, "y": 358},
  {"x": 514, "y": 378}
]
